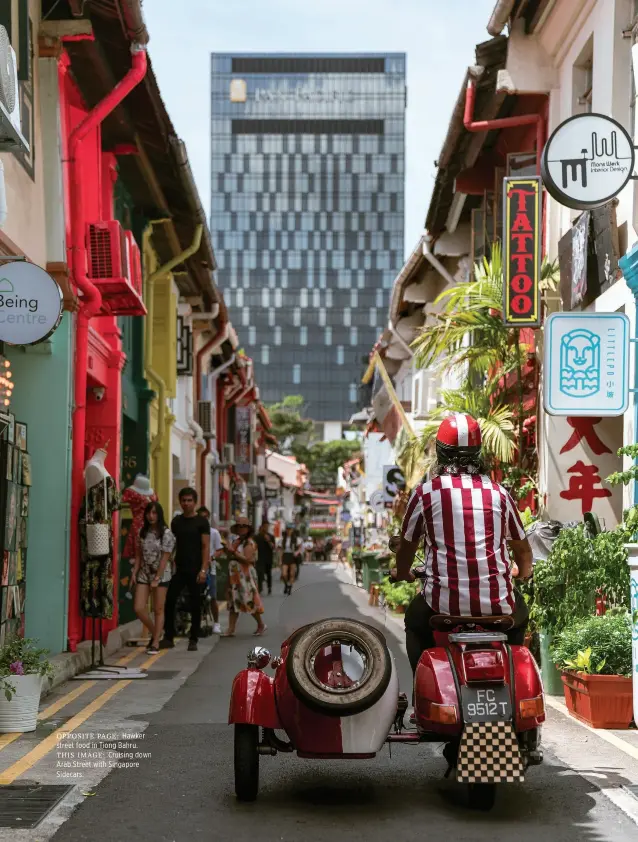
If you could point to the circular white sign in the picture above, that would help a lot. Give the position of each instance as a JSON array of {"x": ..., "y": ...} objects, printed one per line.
[
  {"x": 30, "y": 303},
  {"x": 587, "y": 161},
  {"x": 377, "y": 501}
]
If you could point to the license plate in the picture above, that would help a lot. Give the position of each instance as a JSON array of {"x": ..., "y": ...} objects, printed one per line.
[{"x": 486, "y": 704}]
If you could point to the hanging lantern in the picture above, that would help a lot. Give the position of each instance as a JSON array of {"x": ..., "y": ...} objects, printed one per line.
[{"x": 6, "y": 384}]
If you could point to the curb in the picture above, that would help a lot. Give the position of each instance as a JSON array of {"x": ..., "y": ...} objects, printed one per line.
[
  {"x": 611, "y": 738},
  {"x": 68, "y": 664}
]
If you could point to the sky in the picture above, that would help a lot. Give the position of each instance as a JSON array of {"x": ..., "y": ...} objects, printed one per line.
[{"x": 438, "y": 36}]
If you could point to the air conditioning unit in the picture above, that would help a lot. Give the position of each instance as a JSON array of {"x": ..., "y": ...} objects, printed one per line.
[
  {"x": 115, "y": 268},
  {"x": 134, "y": 261},
  {"x": 205, "y": 418},
  {"x": 10, "y": 123},
  {"x": 228, "y": 454}
]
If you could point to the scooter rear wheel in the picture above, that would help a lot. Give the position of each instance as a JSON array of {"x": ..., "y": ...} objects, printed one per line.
[
  {"x": 246, "y": 762},
  {"x": 481, "y": 796}
]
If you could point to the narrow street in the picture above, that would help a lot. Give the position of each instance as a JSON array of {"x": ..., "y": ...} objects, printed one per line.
[{"x": 183, "y": 787}]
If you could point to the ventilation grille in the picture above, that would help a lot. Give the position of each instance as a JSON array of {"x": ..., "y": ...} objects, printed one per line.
[
  {"x": 205, "y": 418},
  {"x": 106, "y": 250}
]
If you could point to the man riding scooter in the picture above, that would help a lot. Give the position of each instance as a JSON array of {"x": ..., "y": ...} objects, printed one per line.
[{"x": 465, "y": 521}]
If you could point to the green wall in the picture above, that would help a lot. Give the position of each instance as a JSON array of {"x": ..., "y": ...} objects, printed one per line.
[{"x": 42, "y": 399}]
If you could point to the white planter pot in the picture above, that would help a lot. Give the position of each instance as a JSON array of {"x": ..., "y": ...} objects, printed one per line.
[{"x": 21, "y": 713}]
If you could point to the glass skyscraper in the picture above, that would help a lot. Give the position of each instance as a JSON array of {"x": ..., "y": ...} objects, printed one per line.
[{"x": 307, "y": 214}]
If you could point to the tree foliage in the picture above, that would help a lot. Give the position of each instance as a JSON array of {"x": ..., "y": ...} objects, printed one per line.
[
  {"x": 324, "y": 458},
  {"x": 289, "y": 423}
]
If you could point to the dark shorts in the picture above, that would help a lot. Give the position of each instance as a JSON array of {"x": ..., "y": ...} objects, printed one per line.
[{"x": 211, "y": 581}]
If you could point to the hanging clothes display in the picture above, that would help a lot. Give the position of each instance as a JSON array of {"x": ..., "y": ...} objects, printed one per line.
[
  {"x": 96, "y": 585},
  {"x": 137, "y": 497}
]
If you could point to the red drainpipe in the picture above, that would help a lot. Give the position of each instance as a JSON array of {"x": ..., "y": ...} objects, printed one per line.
[
  {"x": 507, "y": 123},
  {"x": 221, "y": 336},
  {"x": 91, "y": 304}
]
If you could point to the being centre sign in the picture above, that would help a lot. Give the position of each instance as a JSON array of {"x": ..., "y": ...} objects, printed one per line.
[
  {"x": 587, "y": 161},
  {"x": 30, "y": 303}
]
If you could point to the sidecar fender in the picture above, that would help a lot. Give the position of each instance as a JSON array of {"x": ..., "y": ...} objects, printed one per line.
[{"x": 252, "y": 701}]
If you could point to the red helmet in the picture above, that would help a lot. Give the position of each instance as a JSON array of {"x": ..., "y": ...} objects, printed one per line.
[{"x": 459, "y": 431}]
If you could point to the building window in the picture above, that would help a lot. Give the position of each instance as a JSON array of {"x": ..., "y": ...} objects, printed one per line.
[
  {"x": 328, "y": 298},
  {"x": 296, "y": 374},
  {"x": 340, "y": 355},
  {"x": 347, "y": 318},
  {"x": 322, "y": 316},
  {"x": 303, "y": 298},
  {"x": 252, "y": 335},
  {"x": 245, "y": 317},
  {"x": 354, "y": 335},
  {"x": 583, "y": 80},
  {"x": 328, "y": 336},
  {"x": 265, "y": 354},
  {"x": 265, "y": 297},
  {"x": 353, "y": 393},
  {"x": 278, "y": 298},
  {"x": 316, "y": 298},
  {"x": 373, "y": 316},
  {"x": 271, "y": 317},
  {"x": 277, "y": 335},
  {"x": 303, "y": 335},
  {"x": 239, "y": 297},
  {"x": 354, "y": 298},
  {"x": 296, "y": 316}
]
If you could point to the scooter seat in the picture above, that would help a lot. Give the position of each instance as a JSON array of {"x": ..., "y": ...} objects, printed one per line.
[{"x": 443, "y": 622}]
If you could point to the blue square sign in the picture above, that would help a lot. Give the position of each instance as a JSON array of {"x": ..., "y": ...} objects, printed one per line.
[{"x": 586, "y": 364}]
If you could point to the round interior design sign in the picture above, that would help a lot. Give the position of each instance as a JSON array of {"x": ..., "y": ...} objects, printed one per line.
[
  {"x": 587, "y": 161},
  {"x": 30, "y": 303}
]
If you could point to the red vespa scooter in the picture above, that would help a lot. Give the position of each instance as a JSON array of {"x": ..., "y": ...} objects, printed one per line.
[{"x": 335, "y": 695}]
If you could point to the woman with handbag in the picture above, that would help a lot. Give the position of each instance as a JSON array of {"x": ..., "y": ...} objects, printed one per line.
[{"x": 152, "y": 572}]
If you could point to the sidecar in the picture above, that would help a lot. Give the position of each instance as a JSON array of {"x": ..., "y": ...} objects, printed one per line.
[{"x": 333, "y": 695}]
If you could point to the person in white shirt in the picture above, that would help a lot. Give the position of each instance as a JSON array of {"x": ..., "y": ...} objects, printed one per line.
[
  {"x": 216, "y": 550},
  {"x": 308, "y": 546}
]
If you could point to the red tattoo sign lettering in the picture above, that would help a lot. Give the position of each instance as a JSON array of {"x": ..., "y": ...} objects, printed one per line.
[{"x": 522, "y": 225}]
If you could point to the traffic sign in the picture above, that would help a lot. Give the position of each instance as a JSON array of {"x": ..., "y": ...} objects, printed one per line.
[{"x": 586, "y": 364}]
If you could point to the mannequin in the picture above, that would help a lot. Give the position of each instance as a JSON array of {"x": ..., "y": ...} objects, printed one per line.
[
  {"x": 97, "y": 573},
  {"x": 137, "y": 497}
]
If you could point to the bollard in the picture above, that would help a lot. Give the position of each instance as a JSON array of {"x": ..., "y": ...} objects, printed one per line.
[{"x": 632, "y": 550}]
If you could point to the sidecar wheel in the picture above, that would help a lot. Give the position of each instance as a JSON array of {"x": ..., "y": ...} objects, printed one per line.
[
  {"x": 365, "y": 689},
  {"x": 246, "y": 762},
  {"x": 481, "y": 796}
]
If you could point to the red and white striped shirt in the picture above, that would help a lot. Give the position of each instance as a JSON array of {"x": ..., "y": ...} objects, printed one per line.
[{"x": 465, "y": 521}]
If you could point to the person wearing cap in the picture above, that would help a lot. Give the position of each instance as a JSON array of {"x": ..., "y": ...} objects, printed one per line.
[
  {"x": 243, "y": 587},
  {"x": 291, "y": 546},
  {"x": 464, "y": 521}
]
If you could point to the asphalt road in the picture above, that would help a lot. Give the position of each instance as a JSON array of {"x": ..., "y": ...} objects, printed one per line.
[{"x": 185, "y": 791}]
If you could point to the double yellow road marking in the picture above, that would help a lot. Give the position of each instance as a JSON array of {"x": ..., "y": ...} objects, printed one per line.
[{"x": 49, "y": 743}]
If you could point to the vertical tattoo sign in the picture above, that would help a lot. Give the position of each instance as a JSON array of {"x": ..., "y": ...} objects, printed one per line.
[{"x": 522, "y": 227}]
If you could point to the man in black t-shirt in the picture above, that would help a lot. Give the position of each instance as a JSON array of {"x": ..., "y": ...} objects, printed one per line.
[
  {"x": 265, "y": 551},
  {"x": 192, "y": 561}
]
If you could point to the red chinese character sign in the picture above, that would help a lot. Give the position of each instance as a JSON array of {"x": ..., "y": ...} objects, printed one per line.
[
  {"x": 581, "y": 453},
  {"x": 522, "y": 229}
]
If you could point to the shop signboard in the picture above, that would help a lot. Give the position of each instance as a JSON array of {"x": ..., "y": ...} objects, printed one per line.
[
  {"x": 587, "y": 161},
  {"x": 393, "y": 483},
  {"x": 242, "y": 440},
  {"x": 586, "y": 364},
  {"x": 30, "y": 303},
  {"x": 522, "y": 234}
]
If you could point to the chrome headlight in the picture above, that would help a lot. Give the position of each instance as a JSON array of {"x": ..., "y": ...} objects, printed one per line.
[{"x": 259, "y": 658}]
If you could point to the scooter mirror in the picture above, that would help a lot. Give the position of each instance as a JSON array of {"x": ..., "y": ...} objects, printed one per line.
[{"x": 394, "y": 543}]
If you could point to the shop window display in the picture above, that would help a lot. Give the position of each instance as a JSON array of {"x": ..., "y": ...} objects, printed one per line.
[{"x": 15, "y": 485}]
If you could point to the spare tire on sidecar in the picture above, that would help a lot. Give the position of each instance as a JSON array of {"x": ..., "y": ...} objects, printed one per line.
[{"x": 338, "y": 667}]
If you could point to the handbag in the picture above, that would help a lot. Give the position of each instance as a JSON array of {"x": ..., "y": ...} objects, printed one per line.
[{"x": 98, "y": 535}]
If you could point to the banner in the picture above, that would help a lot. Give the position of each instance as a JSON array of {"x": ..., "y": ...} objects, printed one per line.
[
  {"x": 243, "y": 461},
  {"x": 522, "y": 234}
]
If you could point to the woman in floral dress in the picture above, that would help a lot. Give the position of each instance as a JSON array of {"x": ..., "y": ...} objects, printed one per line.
[
  {"x": 152, "y": 572},
  {"x": 243, "y": 586}
]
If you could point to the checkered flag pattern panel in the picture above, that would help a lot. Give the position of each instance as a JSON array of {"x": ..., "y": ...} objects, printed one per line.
[{"x": 489, "y": 754}]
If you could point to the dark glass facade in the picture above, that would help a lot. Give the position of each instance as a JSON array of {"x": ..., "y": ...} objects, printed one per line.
[{"x": 307, "y": 214}]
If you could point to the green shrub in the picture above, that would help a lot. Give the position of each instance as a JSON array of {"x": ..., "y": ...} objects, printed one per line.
[
  {"x": 579, "y": 567},
  {"x": 596, "y": 645},
  {"x": 399, "y": 594}
]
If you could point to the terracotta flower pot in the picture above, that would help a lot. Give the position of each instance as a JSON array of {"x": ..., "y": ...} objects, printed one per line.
[{"x": 602, "y": 701}]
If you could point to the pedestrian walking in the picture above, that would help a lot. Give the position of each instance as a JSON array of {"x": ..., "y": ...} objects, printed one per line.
[
  {"x": 265, "y": 554},
  {"x": 152, "y": 571},
  {"x": 308, "y": 546},
  {"x": 192, "y": 563},
  {"x": 243, "y": 586},
  {"x": 291, "y": 549},
  {"x": 216, "y": 551}
]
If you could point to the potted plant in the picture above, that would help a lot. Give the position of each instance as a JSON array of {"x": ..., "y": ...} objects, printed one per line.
[
  {"x": 22, "y": 667},
  {"x": 398, "y": 596},
  {"x": 594, "y": 655}
]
